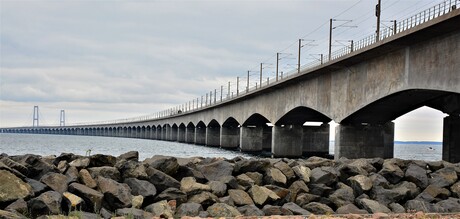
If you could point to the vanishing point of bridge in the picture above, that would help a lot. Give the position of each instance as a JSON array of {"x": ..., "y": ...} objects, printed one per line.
[{"x": 363, "y": 88}]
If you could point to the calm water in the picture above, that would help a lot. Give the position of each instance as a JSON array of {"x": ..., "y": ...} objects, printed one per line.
[{"x": 16, "y": 144}]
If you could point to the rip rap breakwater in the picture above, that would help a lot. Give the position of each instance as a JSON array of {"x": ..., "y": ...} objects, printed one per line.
[{"x": 104, "y": 186}]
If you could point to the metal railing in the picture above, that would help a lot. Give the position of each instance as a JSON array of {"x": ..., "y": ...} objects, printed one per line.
[{"x": 235, "y": 90}]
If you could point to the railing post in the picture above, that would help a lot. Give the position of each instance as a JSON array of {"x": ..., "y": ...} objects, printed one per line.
[
  {"x": 215, "y": 94},
  {"x": 247, "y": 84},
  {"x": 237, "y": 85},
  {"x": 221, "y": 91},
  {"x": 261, "y": 74},
  {"x": 228, "y": 92},
  {"x": 277, "y": 62}
]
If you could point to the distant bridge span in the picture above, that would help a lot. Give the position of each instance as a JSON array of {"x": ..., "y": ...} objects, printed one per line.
[{"x": 363, "y": 90}]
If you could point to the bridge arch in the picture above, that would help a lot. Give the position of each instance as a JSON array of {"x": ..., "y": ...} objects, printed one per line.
[
  {"x": 230, "y": 133},
  {"x": 213, "y": 133},
  {"x": 200, "y": 133},
  {"x": 255, "y": 133}
]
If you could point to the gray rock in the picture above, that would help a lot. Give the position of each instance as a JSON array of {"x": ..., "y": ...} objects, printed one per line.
[
  {"x": 350, "y": 209},
  {"x": 295, "y": 189},
  {"x": 216, "y": 170},
  {"x": 191, "y": 187},
  {"x": 387, "y": 196},
  {"x": 305, "y": 198},
  {"x": 295, "y": 209},
  {"x": 45, "y": 204},
  {"x": 250, "y": 210},
  {"x": 396, "y": 208},
  {"x": 222, "y": 210},
  {"x": 85, "y": 177},
  {"x": 444, "y": 177},
  {"x": 160, "y": 209},
  {"x": 323, "y": 175},
  {"x": 93, "y": 198},
  {"x": 421, "y": 205},
  {"x": 188, "y": 209},
  {"x": 280, "y": 191},
  {"x": 245, "y": 181},
  {"x": 342, "y": 196},
  {"x": 240, "y": 197},
  {"x": 320, "y": 189},
  {"x": 13, "y": 188},
  {"x": 417, "y": 175},
  {"x": 450, "y": 204},
  {"x": 432, "y": 192},
  {"x": 455, "y": 188},
  {"x": 391, "y": 171},
  {"x": 106, "y": 172},
  {"x": 302, "y": 172},
  {"x": 262, "y": 195},
  {"x": 80, "y": 163},
  {"x": 275, "y": 177},
  {"x": 134, "y": 213},
  {"x": 172, "y": 194},
  {"x": 251, "y": 165},
  {"x": 55, "y": 181},
  {"x": 14, "y": 165},
  {"x": 19, "y": 206},
  {"x": 10, "y": 215},
  {"x": 99, "y": 160},
  {"x": 360, "y": 184},
  {"x": 142, "y": 187},
  {"x": 256, "y": 177},
  {"x": 161, "y": 180},
  {"x": 130, "y": 155},
  {"x": 36, "y": 166},
  {"x": 318, "y": 208},
  {"x": 372, "y": 206},
  {"x": 230, "y": 181},
  {"x": 285, "y": 169},
  {"x": 132, "y": 169},
  {"x": 379, "y": 180},
  {"x": 314, "y": 162},
  {"x": 165, "y": 164},
  {"x": 218, "y": 188},
  {"x": 116, "y": 195},
  {"x": 270, "y": 210},
  {"x": 204, "y": 198}
]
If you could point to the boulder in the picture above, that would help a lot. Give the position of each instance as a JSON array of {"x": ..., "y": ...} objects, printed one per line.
[
  {"x": 372, "y": 206},
  {"x": 62, "y": 166},
  {"x": 73, "y": 202},
  {"x": 256, "y": 177},
  {"x": 116, "y": 195},
  {"x": 323, "y": 175},
  {"x": 417, "y": 175},
  {"x": 396, "y": 208},
  {"x": 168, "y": 165},
  {"x": 320, "y": 189},
  {"x": 188, "y": 209},
  {"x": 222, "y": 210},
  {"x": 350, "y": 209},
  {"x": 250, "y": 210},
  {"x": 55, "y": 181},
  {"x": 160, "y": 209},
  {"x": 13, "y": 188},
  {"x": 391, "y": 171},
  {"x": 314, "y": 162},
  {"x": 285, "y": 169},
  {"x": 305, "y": 198},
  {"x": 342, "y": 196},
  {"x": 218, "y": 188},
  {"x": 245, "y": 181},
  {"x": 432, "y": 192},
  {"x": 204, "y": 198},
  {"x": 270, "y": 210},
  {"x": 421, "y": 205},
  {"x": 230, "y": 181},
  {"x": 14, "y": 165},
  {"x": 19, "y": 206},
  {"x": 191, "y": 187},
  {"x": 133, "y": 213},
  {"x": 130, "y": 155},
  {"x": 36, "y": 166},
  {"x": 296, "y": 188},
  {"x": 302, "y": 172},
  {"x": 216, "y": 170},
  {"x": 161, "y": 180},
  {"x": 262, "y": 195},
  {"x": 379, "y": 180},
  {"x": 10, "y": 215},
  {"x": 367, "y": 165},
  {"x": 106, "y": 172},
  {"x": 280, "y": 191},
  {"x": 172, "y": 194},
  {"x": 72, "y": 175},
  {"x": 99, "y": 160},
  {"x": 455, "y": 188},
  {"x": 80, "y": 163},
  {"x": 132, "y": 169},
  {"x": 449, "y": 205},
  {"x": 240, "y": 197},
  {"x": 360, "y": 184},
  {"x": 318, "y": 208},
  {"x": 142, "y": 187},
  {"x": 92, "y": 198},
  {"x": 444, "y": 177},
  {"x": 85, "y": 177},
  {"x": 137, "y": 201},
  {"x": 251, "y": 165},
  {"x": 387, "y": 196},
  {"x": 45, "y": 204},
  {"x": 295, "y": 209},
  {"x": 275, "y": 177}
]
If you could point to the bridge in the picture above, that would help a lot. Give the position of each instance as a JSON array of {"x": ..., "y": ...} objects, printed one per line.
[{"x": 363, "y": 88}]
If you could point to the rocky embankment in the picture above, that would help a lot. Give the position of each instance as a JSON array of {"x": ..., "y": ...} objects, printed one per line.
[{"x": 106, "y": 186}]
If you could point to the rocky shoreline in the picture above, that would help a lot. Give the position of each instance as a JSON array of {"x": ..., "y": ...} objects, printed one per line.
[{"x": 104, "y": 186}]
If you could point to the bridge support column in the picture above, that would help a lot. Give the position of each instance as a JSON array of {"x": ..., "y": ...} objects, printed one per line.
[
  {"x": 174, "y": 133},
  {"x": 160, "y": 133},
  {"x": 200, "y": 135},
  {"x": 181, "y": 134},
  {"x": 251, "y": 138},
  {"x": 229, "y": 137},
  {"x": 167, "y": 133},
  {"x": 287, "y": 141},
  {"x": 364, "y": 141},
  {"x": 190, "y": 135},
  {"x": 315, "y": 140},
  {"x": 153, "y": 133},
  {"x": 451, "y": 139},
  {"x": 213, "y": 136},
  {"x": 267, "y": 138}
]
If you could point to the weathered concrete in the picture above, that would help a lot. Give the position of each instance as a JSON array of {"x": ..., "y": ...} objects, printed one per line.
[
  {"x": 200, "y": 135},
  {"x": 190, "y": 134},
  {"x": 451, "y": 139},
  {"x": 181, "y": 133},
  {"x": 315, "y": 139},
  {"x": 364, "y": 141},
  {"x": 213, "y": 136},
  {"x": 287, "y": 141},
  {"x": 229, "y": 137},
  {"x": 174, "y": 133},
  {"x": 251, "y": 138}
]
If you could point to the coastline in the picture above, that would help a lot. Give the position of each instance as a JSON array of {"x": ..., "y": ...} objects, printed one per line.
[{"x": 106, "y": 186}]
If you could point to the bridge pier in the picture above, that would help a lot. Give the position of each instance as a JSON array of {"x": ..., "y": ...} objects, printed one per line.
[
  {"x": 229, "y": 137},
  {"x": 267, "y": 138},
  {"x": 181, "y": 134},
  {"x": 190, "y": 134},
  {"x": 200, "y": 135},
  {"x": 174, "y": 133},
  {"x": 451, "y": 139},
  {"x": 213, "y": 136},
  {"x": 287, "y": 141},
  {"x": 160, "y": 133},
  {"x": 251, "y": 138},
  {"x": 166, "y": 132},
  {"x": 364, "y": 141},
  {"x": 315, "y": 140}
]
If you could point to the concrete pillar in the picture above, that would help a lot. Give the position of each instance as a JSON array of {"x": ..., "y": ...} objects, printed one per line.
[
  {"x": 267, "y": 138},
  {"x": 251, "y": 138},
  {"x": 167, "y": 133},
  {"x": 190, "y": 135},
  {"x": 213, "y": 136},
  {"x": 200, "y": 135},
  {"x": 181, "y": 134},
  {"x": 451, "y": 139},
  {"x": 287, "y": 141},
  {"x": 229, "y": 137},
  {"x": 160, "y": 133},
  {"x": 315, "y": 140},
  {"x": 364, "y": 141},
  {"x": 153, "y": 133},
  {"x": 174, "y": 133}
]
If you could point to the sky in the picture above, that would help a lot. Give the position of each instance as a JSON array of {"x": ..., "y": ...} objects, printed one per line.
[{"x": 111, "y": 59}]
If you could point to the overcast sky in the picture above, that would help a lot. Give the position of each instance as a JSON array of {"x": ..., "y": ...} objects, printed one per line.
[{"x": 104, "y": 60}]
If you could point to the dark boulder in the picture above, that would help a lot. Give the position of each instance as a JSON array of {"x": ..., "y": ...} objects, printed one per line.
[
  {"x": 161, "y": 180},
  {"x": 92, "y": 198},
  {"x": 168, "y": 165},
  {"x": 188, "y": 209},
  {"x": 250, "y": 210},
  {"x": 106, "y": 172},
  {"x": 99, "y": 160},
  {"x": 55, "y": 181},
  {"x": 116, "y": 195},
  {"x": 45, "y": 204},
  {"x": 13, "y": 188},
  {"x": 216, "y": 170},
  {"x": 142, "y": 187}
]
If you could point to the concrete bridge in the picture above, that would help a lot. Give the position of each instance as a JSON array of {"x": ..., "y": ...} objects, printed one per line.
[{"x": 362, "y": 88}]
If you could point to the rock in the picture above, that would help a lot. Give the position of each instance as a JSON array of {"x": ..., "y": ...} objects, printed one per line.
[
  {"x": 420, "y": 205},
  {"x": 417, "y": 175},
  {"x": 342, "y": 196},
  {"x": 105, "y": 213},
  {"x": 188, "y": 209},
  {"x": 245, "y": 181},
  {"x": 222, "y": 210},
  {"x": 230, "y": 181},
  {"x": 134, "y": 213},
  {"x": 270, "y": 210},
  {"x": 137, "y": 201},
  {"x": 132, "y": 169},
  {"x": 314, "y": 162},
  {"x": 251, "y": 165},
  {"x": 432, "y": 192},
  {"x": 116, "y": 195},
  {"x": 168, "y": 165},
  {"x": 74, "y": 202},
  {"x": 285, "y": 169},
  {"x": 372, "y": 206},
  {"x": 142, "y": 187},
  {"x": 72, "y": 175},
  {"x": 92, "y": 198},
  {"x": 250, "y": 210},
  {"x": 35, "y": 165},
  {"x": 130, "y": 155},
  {"x": 379, "y": 180},
  {"x": 444, "y": 177},
  {"x": 396, "y": 208},
  {"x": 100, "y": 160},
  {"x": 302, "y": 172},
  {"x": 275, "y": 177},
  {"x": 80, "y": 163},
  {"x": 216, "y": 170},
  {"x": 256, "y": 177},
  {"x": 455, "y": 190},
  {"x": 240, "y": 197},
  {"x": 387, "y": 196},
  {"x": 323, "y": 175},
  {"x": 10, "y": 215},
  {"x": 55, "y": 181},
  {"x": 450, "y": 204},
  {"x": 106, "y": 172},
  {"x": 280, "y": 191},
  {"x": 186, "y": 171},
  {"x": 68, "y": 157},
  {"x": 13, "y": 188},
  {"x": 47, "y": 203},
  {"x": 85, "y": 177},
  {"x": 318, "y": 208},
  {"x": 13, "y": 171},
  {"x": 391, "y": 171},
  {"x": 79, "y": 214},
  {"x": 14, "y": 165},
  {"x": 366, "y": 164},
  {"x": 320, "y": 189},
  {"x": 191, "y": 187},
  {"x": 218, "y": 188},
  {"x": 204, "y": 198},
  {"x": 161, "y": 180},
  {"x": 305, "y": 198},
  {"x": 413, "y": 189},
  {"x": 261, "y": 195},
  {"x": 360, "y": 184},
  {"x": 160, "y": 209},
  {"x": 296, "y": 188},
  {"x": 172, "y": 194},
  {"x": 19, "y": 206},
  {"x": 350, "y": 209}
]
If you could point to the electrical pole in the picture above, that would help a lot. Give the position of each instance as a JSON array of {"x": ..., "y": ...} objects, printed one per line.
[
  {"x": 261, "y": 74},
  {"x": 298, "y": 61},
  {"x": 277, "y": 62},
  {"x": 378, "y": 8},
  {"x": 62, "y": 118},
  {"x": 247, "y": 84},
  {"x": 330, "y": 38}
]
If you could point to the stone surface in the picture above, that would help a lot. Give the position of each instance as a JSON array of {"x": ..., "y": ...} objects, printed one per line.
[
  {"x": 342, "y": 196},
  {"x": 191, "y": 187},
  {"x": 285, "y": 169},
  {"x": 19, "y": 206},
  {"x": 168, "y": 165},
  {"x": 302, "y": 172},
  {"x": 245, "y": 181},
  {"x": 360, "y": 184},
  {"x": 261, "y": 195},
  {"x": 74, "y": 202},
  {"x": 417, "y": 175},
  {"x": 218, "y": 188},
  {"x": 188, "y": 209},
  {"x": 275, "y": 176},
  {"x": 13, "y": 188},
  {"x": 172, "y": 194},
  {"x": 130, "y": 155},
  {"x": 455, "y": 188},
  {"x": 116, "y": 195},
  {"x": 391, "y": 171},
  {"x": 133, "y": 213},
  {"x": 250, "y": 210},
  {"x": 142, "y": 187},
  {"x": 323, "y": 175},
  {"x": 204, "y": 198},
  {"x": 93, "y": 198},
  {"x": 160, "y": 209},
  {"x": 318, "y": 208},
  {"x": 216, "y": 170},
  {"x": 80, "y": 163},
  {"x": 443, "y": 177},
  {"x": 256, "y": 177},
  {"x": 372, "y": 206},
  {"x": 240, "y": 197},
  {"x": 132, "y": 169},
  {"x": 137, "y": 201},
  {"x": 350, "y": 209},
  {"x": 295, "y": 209},
  {"x": 222, "y": 210},
  {"x": 251, "y": 165},
  {"x": 55, "y": 181},
  {"x": 396, "y": 208},
  {"x": 99, "y": 160},
  {"x": 45, "y": 204},
  {"x": 161, "y": 180},
  {"x": 10, "y": 215},
  {"x": 106, "y": 172}
]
